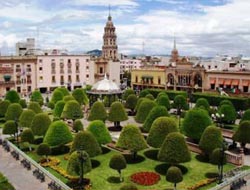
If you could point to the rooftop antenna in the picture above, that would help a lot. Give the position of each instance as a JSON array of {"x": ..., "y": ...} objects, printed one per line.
[{"x": 109, "y": 17}]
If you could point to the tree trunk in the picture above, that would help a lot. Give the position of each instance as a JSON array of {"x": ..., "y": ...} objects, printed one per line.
[
  {"x": 120, "y": 175},
  {"x": 30, "y": 149},
  {"x": 174, "y": 186},
  {"x": 134, "y": 155},
  {"x": 47, "y": 159}
]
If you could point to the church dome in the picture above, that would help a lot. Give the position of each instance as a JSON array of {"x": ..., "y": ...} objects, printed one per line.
[{"x": 105, "y": 85}]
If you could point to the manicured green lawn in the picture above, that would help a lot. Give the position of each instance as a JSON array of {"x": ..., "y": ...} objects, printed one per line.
[
  {"x": 4, "y": 184},
  {"x": 102, "y": 177}
]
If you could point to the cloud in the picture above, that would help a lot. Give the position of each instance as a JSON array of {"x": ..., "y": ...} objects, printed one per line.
[{"x": 105, "y": 2}]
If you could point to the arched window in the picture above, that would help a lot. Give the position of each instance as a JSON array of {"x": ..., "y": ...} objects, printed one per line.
[
  {"x": 171, "y": 79},
  {"x": 198, "y": 80}
]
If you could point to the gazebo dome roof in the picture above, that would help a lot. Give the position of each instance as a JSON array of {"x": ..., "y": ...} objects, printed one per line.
[{"x": 105, "y": 85}]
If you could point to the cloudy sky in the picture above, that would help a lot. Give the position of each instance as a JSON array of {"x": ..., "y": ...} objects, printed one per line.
[{"x": 201, "y": 27}]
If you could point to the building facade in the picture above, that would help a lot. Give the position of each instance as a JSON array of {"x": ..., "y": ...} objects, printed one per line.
[{"x": 23, "y": 47}]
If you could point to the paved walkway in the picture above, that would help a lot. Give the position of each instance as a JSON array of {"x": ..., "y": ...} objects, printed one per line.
[{"x": 18, "y": 176}]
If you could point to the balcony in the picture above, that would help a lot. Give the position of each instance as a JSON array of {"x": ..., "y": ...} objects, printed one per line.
[
  {"x": 29, "y": 81},
  {"x": 99, "y": 75},
  {"x": 7, "y": 83}
]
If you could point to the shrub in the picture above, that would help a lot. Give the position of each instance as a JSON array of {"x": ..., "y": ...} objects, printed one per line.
[
  {"x": 72, "y": 110},
  {"x": 195, "y": 122},
  {"x": 242, "y": 134},
  {"x": 9, "y": 128},
  {"x": 80, "y": 96},
  {"x": 36, "y": 96},
  {"x": 202, "y": 102},
  {"x": 73, "y": 166},
  {"x": 68, "y": 98},
  {"x": 56, "y": 96},
  {"x": 117, "y": 113},
  {"x": 26, "y": 118},
  {"x": 131, "y": 102},
  {"x": 40, "y": 124},
  {"x": 174, "y": 175},
  {"x": 161, "y": 127},
  {"x": 139, "y": 101},
  {"x": 85, "y": 140},
  {"x": 246, "y": 116},
  {"x": 97, "y": 112},
  {"x": 27, "y": 136},
  {"x": 229, "y": 113},
  {"x": 131, "y": 139},
  {"x": 77, "y": 125},
  {"x": 226, "y": 102},
  {"x": 13, "y": 112},
  {"x": 128, "y": 187},
  {"x": 210, "y": 139},
  {"x": 63, "y": 90},
  {"x": 180, "y": 103},
  {"x": 144, "y": 93},
  {"x": 3, "y": 107},
  {"x": 35, "y": 107},
  {"x": 100, "y": 132},
  {"x": 150, "y": 97},
  {"x": 127, "y": 92},
  {"x": 23, "y": 103},
  {"x": 59, "y": 108},
  {"x": 58, "y": 134},
  {"x": 156, "y": 112},
  {"x": 43, "y": 149},
  {"x": 145, "y": 107},
  {"x": 12, "y": 96},
  {"x": 118, "y": 162},
  {"x": 174, "y": 149},
  {"x": 51, "y": 105},
  {"x": 216, "y": 157},
  {"x": 163, "y": 100},
  {"x": 108, "y": 100}
]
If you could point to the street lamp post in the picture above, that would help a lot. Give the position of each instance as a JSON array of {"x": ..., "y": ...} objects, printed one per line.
[
  {"x": 218, "y": 118},
  {"x": 17, "y": 130},
  {"x": 221, "y": 162},
  {"x": 82, "y": 156}
]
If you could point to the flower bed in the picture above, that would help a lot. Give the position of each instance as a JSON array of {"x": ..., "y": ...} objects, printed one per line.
[{"x": 145, "y": 178}]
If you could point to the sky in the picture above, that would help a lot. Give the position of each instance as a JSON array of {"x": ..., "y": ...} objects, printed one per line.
[{"x": 201, "y": 27}]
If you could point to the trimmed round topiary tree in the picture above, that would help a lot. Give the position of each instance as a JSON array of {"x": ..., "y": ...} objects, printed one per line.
[
  {"x": 57, "y": 96},
  {"x": 128, "y": 187},
  {"x": 63, "y": 90},
  {"x": 150, "y": 97},
  {"x": 85, "y": 140},
  {"x": 242, "y": 134},
  {"x": 229, "y": 113},
  {"x": 139, "y": 101},
  {"x": 131, "y": 139},
  {"x": 12, "y": 96},
  {"x": 180, "y": 103},
  {"x": 51, "y": 105},
  {"x": 211, "y": 138},
  {"x": 226, "y": 102},
  {"x": 216, "y": 157},
  {"x": 163, "y": 100},
  {"x": 72, "y": 110},
  {"x": 246, "y": 116},
  {"x": 174, "y": 149},
  {"x": 143, "y": 110},
  {"x": 100, "y": 132},
  {"x": 3, "y": 107},
  {"x": 118, "y": 162},
  {"x": 77, "y": 125},
  {"x": 98, "y": 112},
  {"x": 74, "y": 164},
  {"x": 35, "y": 106},
  {"x": 26, "y": 118},
  {"x": 58, "y": 134},
  {"x": 174, "y": 175},
  {"x": 131, "y": 103},
  {"x": 36, "y": 96},
  {"x": 144, "y": 93},
  {"x": 195, "y": 122},
  {"x": 161, "y": 127},
  {"x": 59, "y": 108},
  {"x": 80, "y": 96},
  {"x": 13, "y": 112},
  {"x": 157, "y": 111},
  {"x": 202, "y": 103},
  {"x": 23, "y": 103},
  {"x": 43, "y": 149},
  {"x": 68, "y": 98},
  {"x": 127, "y": 92},
  {"x": 117, "y": 113},
  {"x": 9, "y": 128},
  {"x": 27, "y": 136},
  {"x": 40, "y": 124}
]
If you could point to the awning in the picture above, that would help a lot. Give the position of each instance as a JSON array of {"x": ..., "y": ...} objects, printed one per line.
[
  {"x": 245, "y": 82},
  {"x": 228, "y": 82},
  {"x": 235, "y": 82},
  {"x": 212, "y": 80},
  {"x": 221, "y": 81},
  {"x": 147, "y": 77}
]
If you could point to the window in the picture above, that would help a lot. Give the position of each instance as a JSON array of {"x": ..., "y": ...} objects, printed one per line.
[
  {"x": 40, "y": 69},
  {"x": 77, "y": 78},
  {"x": 87, "y": 67},
  {"x": 53, "y": 79},
  {"x": 62, "y": 79},
  {"x": 18, "y": 68},
  {"x": 101, "y": 70},
  {"x": 136, "y": 79},
  {"x": 159, "y": 80},
  {"x": 29, "y": 88},
  {"x": 69, "y": 78},
  {"x": 40, "y": 60},
  {"x": 41, "y": 78},
  {"x": 18, "y": 89},
  {"x": 87, "y": 76}
]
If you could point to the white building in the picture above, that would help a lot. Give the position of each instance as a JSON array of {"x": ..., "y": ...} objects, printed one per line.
[{"x": 23, "y": 47}]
